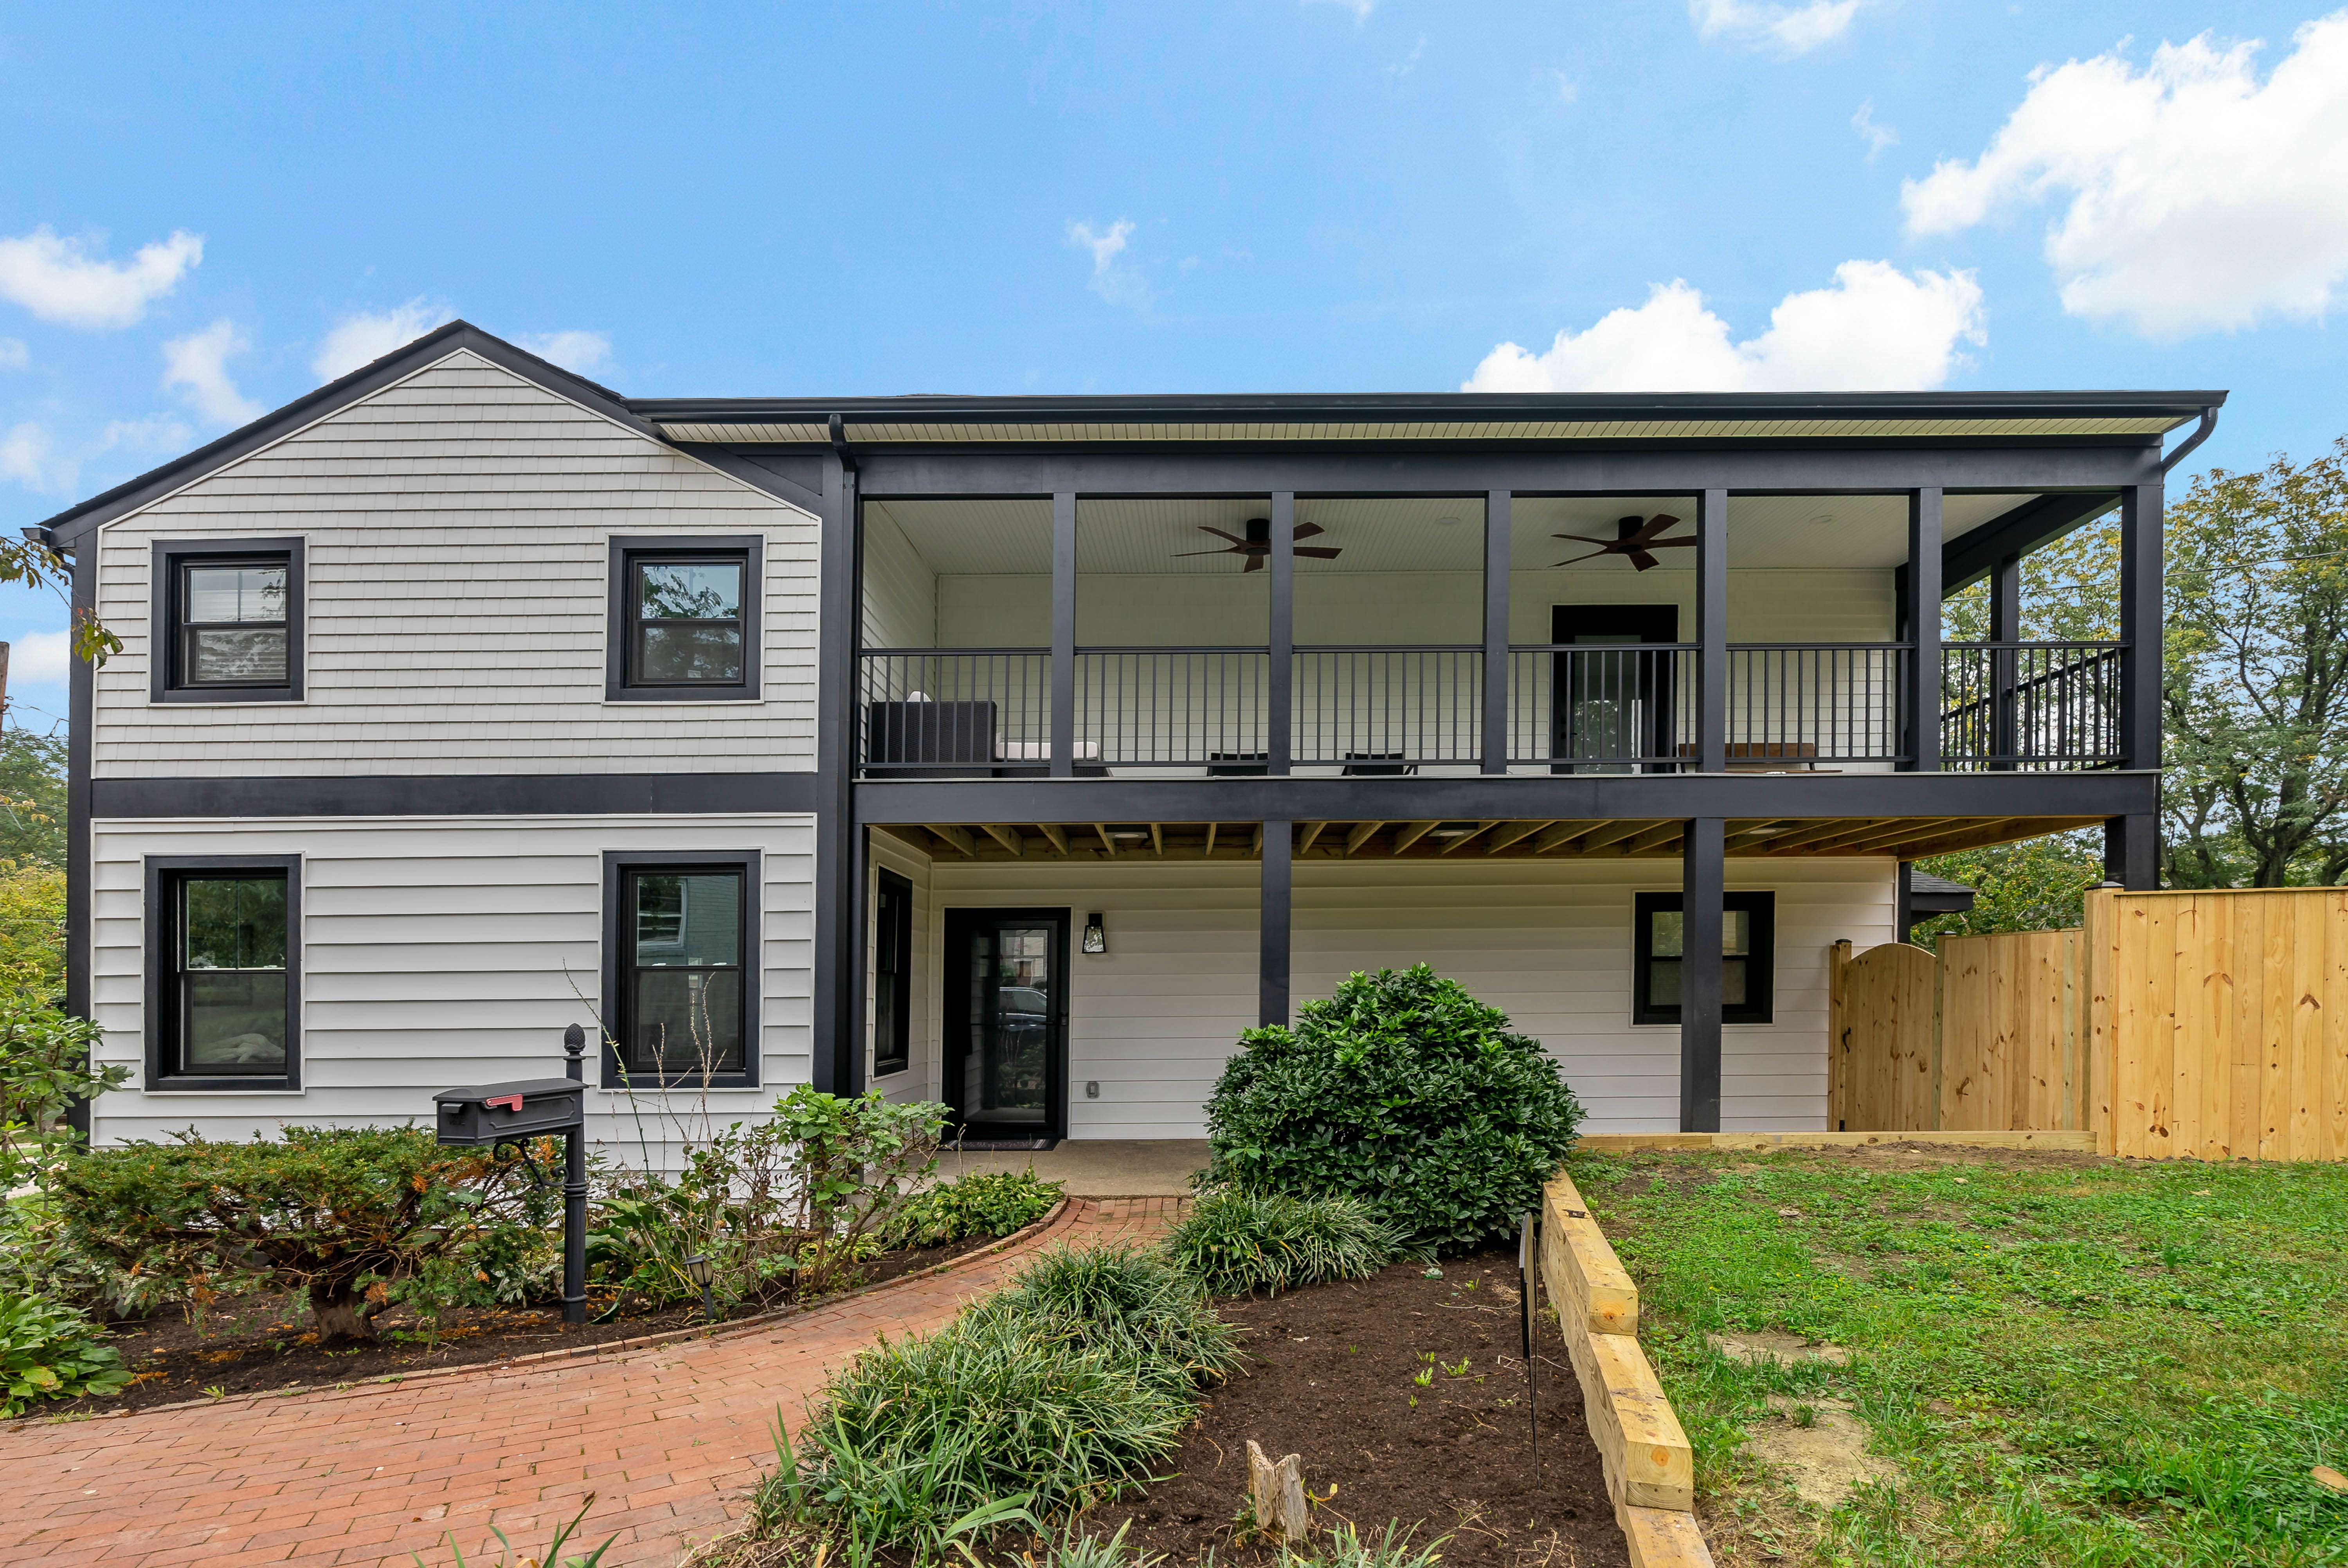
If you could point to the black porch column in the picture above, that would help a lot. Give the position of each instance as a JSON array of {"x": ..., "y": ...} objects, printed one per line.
[
  {"x": 1703, "y": 871},
  {"x": 1712, "y": 631},
  {"x": 1284, "y": 638},
  {"x": 837, "y": 1017},
  {"x": 1272, "y": 932},
  {"x": 2132, "y": 852},
  {"x": 2140, "y": 569},
  {"x": 1903, "y": 900},
  {"x": 2004, "y": 626},
  {"x": 1063, "y": 634},
  {"x": 1921, "y": 697},
  {"x": 1495, "y": 633}
]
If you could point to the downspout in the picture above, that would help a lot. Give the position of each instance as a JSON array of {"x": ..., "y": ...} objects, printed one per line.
[{"x": 2184, "y": 448}]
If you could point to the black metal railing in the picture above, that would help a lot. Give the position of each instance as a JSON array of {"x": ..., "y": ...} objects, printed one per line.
[
  {"x": 2036, "y": 706},
  {"x": 937, "y": 711},
  {"x": 1797, "y": 703},
  {"x": 1172, "y": 707},
  {"x": 1603, "y": 707},
  {"x": 1383, "y": 709}
]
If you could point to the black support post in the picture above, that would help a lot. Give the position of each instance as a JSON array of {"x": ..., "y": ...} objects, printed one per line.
[
  {"x": 1273, "y": 930},
  {"x": 2004, "y": 626},
  {"x": 856, "y": 1009},
  {"x": 1495, "y": 633},
  {"x": 1282, "y": 677},
  {"x": 1922, "y": 696},
  {"x": 2132, "y": 852},
  {"x": 1712, "y": 631},
  {"x": 80, "y": 945},
  {"x": 1903, "y": 899},
  {"x": 1702, "y": 872},
  {"x": 1063, "y": 634},
  {"x": 838, "y": 868},
  {"x": 2140, "y": 570}
]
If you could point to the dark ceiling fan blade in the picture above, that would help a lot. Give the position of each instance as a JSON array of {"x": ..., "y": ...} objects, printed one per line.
[
  {"x": 1642, "y": 560},
  {"x": 1254, "y": 563},
  {"x": 1306, "y": 530},
  {"x": 1668, "y": 544},
  {"x": 1577, "y": 561},
  {"x": 1233, "y": 551},
  {"x": 1587, "y": 539},
  {"x": 1647, "y": 531},
  {"x": 1320, "y": 552},
  {"x": 1210, "y": 528}
]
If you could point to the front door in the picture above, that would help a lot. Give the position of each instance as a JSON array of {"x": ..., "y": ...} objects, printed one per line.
[{"x": 1007, "y": 1021}]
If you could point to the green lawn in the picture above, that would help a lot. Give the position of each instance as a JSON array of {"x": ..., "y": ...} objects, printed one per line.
[{"x": 2068, "y": 1360}]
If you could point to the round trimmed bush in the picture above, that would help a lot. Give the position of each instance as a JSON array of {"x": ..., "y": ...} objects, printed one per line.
[{"x": 1404, "y": 1092}]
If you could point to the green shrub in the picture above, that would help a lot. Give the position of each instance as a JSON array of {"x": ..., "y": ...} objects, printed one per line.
[
  {"x": 1130, "y": 1301},
  {"x": 994, "y": 1204},
  {"x": 44, "y": 1066},
  {"x": 1402, "y": 1090},
  {"x": 51, "y": 1352},
  {"x": 350, "y": 1216},
  {"x": 1235, "y": 1242}
]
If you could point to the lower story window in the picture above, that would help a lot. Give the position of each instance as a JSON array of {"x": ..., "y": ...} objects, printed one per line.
[
  {"x": 1747, "y": 942},
  {"x": 685, "y": 1011},
  {"x": 226, "y": 974}
]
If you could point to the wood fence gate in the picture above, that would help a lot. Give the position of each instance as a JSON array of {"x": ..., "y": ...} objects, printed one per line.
[{"x": 2209, "y": 1025}]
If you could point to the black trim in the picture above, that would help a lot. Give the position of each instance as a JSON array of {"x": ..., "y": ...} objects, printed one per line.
[
  {"x": 166, "y": 680},
  {"x": 162, "y": 874},
  {"x": 455, "y": 795},
  {"x": 617, "y": 863},
  {"x": 892, "y": 934},
  {"x": 1759, "y": 965},
  {"x": 958, "y": 923},
  {"x": 630, "y": 550},
  {"x": 838, "y": 1039},
  {"x": 81, "y": 681}
]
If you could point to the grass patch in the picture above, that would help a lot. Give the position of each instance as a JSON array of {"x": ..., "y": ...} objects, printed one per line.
[
  {"x": 1237, "y": 1242},
  {"x": 2069, "y": 1361}
]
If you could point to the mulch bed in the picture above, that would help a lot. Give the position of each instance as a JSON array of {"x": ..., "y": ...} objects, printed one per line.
[
  {"x": 1330, "y": 1378},
  {"x": 261, "y": 1342}
]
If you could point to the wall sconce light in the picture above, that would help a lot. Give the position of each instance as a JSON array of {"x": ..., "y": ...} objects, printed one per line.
[{"x": 1096, "y": 934}]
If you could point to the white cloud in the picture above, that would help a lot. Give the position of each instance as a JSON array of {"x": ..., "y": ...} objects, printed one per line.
[
  {"x": 14, "y": 354},
  {"x": 1877, "y": 136},
  {"x": 38, "y": 657},
  {"x": 25, "y": 457},
  {"x": 1115, "y": 278},
  {"x": 1360, "y": 8},
  {"x": 1788, "y": 29},
  {"x": 365, "y": 336},
  {"x": 2199, "y": 198},
  {"x": 197, "y": 366},
  {"x": 58, "y": 281},
  {"x": 1568, "y": 91},
  {"x": 1876, "y": 328},
  {"x": 583, "y": 351}
]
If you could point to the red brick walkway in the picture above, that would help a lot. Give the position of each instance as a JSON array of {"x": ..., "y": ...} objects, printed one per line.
[{"x": 668, "y": 1437}]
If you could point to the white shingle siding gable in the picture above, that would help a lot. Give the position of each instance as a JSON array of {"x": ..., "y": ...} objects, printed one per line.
[{"x": 457, "y": 526}]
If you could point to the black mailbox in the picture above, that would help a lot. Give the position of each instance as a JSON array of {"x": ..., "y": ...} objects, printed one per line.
[{"x": 490, "y": 1113}]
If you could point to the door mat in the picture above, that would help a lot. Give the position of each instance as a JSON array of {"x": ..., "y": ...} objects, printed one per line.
[{"x": 1003, "y": 1146}]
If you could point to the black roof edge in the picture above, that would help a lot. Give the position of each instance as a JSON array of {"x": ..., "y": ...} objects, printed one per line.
[
  {"x": 76, "y": 522},
  {"x": 2182, "y": 405}
]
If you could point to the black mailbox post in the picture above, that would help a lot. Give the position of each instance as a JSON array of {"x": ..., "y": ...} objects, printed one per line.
[{"x": 489, "y": 1114}]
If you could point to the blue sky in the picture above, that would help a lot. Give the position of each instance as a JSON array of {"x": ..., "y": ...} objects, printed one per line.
[{"x": 206, "y": 210}]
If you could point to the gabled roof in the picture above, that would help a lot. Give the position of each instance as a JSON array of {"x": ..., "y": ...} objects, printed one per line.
[{"x": 76, "y": 522}]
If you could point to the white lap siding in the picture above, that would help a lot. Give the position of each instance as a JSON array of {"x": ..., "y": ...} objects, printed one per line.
[
  {"x": 1549, "y": 943},
  {"x": 439, "y": 951},
  {"x": 457, "y": 527}
]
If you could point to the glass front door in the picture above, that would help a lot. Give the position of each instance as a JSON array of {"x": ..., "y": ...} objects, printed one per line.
[{"x": 1007, "y": 1017}]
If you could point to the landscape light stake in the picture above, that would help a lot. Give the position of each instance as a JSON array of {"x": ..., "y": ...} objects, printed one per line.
[{"x": 1525, "y": 1272}]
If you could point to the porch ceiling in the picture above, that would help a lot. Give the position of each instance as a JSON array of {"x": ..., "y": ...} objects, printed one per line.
[{"x": 1903, "y": 838}]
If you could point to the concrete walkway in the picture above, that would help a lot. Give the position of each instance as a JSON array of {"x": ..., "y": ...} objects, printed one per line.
[
  {"x": 1095, "y": 1167},
  {"x": 669, "y": 1437}
]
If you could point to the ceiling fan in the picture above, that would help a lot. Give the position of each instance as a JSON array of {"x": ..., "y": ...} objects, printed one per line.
[
  {"x": 1257, "y": 546},
  {"x": 1634, "y": 538}
]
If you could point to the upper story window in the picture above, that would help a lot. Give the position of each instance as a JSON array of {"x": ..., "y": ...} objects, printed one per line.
[
  {"x": 684, "y": 620},
  {"x": 1748, "y": 947},
  {"x": 228, "y": 620},
  {"x": 222, "y": 996}
]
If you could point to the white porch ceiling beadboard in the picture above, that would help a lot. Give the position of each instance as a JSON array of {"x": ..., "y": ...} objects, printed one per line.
[{"x": 1148, "y": 534}]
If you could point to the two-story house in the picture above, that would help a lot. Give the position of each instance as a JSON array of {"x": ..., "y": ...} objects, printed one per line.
[{"x": 1021, "y": 752}]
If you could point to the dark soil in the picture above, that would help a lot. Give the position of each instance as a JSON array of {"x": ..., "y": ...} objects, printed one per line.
[
  {"x": 261, "y": 1342},
  {"x": 1330, "y": 1378}
]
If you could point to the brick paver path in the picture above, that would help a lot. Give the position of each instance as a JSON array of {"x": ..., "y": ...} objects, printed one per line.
[{"x": 668, "y": 1437}]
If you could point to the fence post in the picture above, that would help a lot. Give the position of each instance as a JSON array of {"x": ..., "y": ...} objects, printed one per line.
[
  {"x": 2097, "y": 929},
  {"x": 1838, "y": 1035}
]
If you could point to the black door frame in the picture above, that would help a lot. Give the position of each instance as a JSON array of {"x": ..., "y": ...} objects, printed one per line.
[
  {"x": 1647, "y": 623},
  {"x": 958, "y": 923}
]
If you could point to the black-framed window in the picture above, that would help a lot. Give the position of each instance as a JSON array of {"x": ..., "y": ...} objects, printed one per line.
[
  {"x": 892, "y": 974},
  {"x": 683, "y": 620},
  {"x": 223, "y": 972},
  {"x": 227, "y": 621},
  {"x": 681, "y": 970},
  {"x": 1747, "y": 948}
]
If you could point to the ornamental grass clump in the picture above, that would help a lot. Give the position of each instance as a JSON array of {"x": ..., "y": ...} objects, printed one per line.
[
  {"x": 1235, "y": 1243},
  {"x": 1401, "y": 1090}
]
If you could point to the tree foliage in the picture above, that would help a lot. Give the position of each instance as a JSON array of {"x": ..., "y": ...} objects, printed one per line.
[
  {"x": 32, "y": 798},
  {"x": 2037, "y": 885}
]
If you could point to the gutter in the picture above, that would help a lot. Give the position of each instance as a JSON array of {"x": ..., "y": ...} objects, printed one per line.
[{"x": 2202, "y": 433}]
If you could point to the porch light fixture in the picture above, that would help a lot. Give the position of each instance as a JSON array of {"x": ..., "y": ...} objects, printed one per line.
[
  {"x": 1096, "y": 934},
  {"x": 698, "y": 1269}
]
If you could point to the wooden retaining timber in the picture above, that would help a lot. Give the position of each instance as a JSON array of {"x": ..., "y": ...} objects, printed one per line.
[{"x": 1650, "y": 1470}]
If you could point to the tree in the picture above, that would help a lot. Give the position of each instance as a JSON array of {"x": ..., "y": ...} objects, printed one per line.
[
  {"x": 2255, "y": 699},
  {"x": 32, "y": 798},
  {"x": 2037, "y": 885}
]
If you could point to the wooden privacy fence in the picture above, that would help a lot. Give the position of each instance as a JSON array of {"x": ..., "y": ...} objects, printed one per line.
[{"x": 2210, "y": 1025}]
